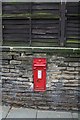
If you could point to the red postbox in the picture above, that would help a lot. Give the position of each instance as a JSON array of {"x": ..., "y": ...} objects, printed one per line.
[{"x": 39, "y": 74}]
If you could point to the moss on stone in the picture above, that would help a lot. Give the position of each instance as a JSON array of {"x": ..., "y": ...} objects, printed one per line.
[
  {"x": 73, "y": 41},
  {"x": 34, "y": 15}
]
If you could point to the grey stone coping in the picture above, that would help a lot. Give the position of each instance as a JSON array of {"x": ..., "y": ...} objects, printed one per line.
[
  {"x": 19, "y": 47},
  {"x": 40, "y": 49},
  {"x": 40, "y": 0}
]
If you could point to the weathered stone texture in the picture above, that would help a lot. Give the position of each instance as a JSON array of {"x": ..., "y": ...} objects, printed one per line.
[{"x": 62, "y": 87}]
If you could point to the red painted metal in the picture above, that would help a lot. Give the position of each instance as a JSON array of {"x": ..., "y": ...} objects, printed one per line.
[{"x": 39, "y": 74}]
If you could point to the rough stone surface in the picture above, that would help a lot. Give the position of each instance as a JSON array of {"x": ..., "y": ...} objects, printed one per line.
[{"x": 62, "y": 91}]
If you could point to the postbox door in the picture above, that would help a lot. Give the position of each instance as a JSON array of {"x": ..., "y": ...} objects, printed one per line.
[{"x": 40, "y": 79}]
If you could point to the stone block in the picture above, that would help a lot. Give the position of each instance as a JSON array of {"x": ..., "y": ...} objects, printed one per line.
[
  {"x": 14, "y": 71},
  {"x": 78, "y": 68},
  {"x": 5, "y": 56},
  {"x": 75, "y": 64},
  {"x": 5, "y": 70},
  {"x": 15, "y": 62},
  {"x": 5, "y": 62}
]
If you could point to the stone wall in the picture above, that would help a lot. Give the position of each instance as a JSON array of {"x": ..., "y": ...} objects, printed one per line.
[{"x": 62, "y": 92}]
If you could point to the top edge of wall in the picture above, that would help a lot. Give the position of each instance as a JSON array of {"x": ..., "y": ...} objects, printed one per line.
[{"x": 39, "y": 0}]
